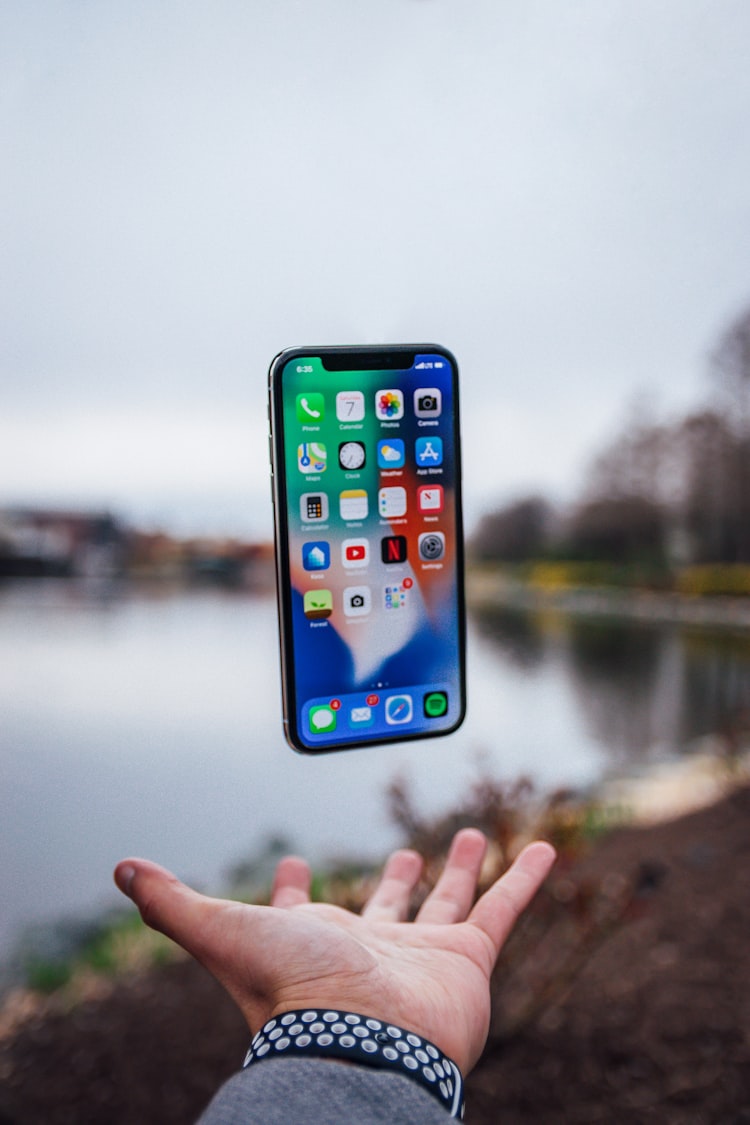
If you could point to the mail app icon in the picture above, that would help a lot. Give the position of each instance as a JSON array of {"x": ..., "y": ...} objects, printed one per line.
[{"x": 360, "y": 716}]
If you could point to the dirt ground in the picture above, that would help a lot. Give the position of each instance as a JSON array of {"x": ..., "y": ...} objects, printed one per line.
[{"x": 645, "y": 1020}]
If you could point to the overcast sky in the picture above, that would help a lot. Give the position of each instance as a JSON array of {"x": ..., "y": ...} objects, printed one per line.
[{"x": 557, "y": 191}]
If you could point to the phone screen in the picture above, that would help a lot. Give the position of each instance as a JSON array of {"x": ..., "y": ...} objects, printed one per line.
[{"x": 365, "y": 450}]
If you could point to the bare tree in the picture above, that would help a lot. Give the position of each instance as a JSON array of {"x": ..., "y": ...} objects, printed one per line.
[
  {"x": 517, "y": 532},
  {"x": 731, "y": 372}
]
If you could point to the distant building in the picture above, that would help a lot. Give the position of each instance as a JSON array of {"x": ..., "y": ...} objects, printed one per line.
[{"x": 38, "y": 542}]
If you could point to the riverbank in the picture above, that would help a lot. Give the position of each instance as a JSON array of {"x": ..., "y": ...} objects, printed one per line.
[
  {"x": 496, "y": 588},
  {"x": 617, "y": 999}
]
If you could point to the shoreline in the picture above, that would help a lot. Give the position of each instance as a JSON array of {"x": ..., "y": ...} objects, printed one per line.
[
  {"x": 620, "y": 991},
  {"x": 487, "y": 589}
]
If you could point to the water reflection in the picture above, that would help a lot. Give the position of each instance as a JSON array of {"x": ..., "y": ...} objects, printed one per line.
[
  {"x": 148, "y": 721},
  {"x": 641, "y": 688},
  {"x": 518, "y": 636}
]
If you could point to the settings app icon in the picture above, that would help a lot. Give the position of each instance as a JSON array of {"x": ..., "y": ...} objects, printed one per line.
[{"x": 431, "y": 545}]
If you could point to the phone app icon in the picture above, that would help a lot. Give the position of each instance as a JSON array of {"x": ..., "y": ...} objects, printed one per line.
[
  {"x": 392, "y": 502},
  {"x": 428, "y": 402},
  {"x": 318, "y": 603},
  {"x": 321, "y": 720},
  {"x": 430, "y": 498},
  {"x": 361, "y": 716},
  {"x": 435, "y": 704},
  {"x": 396, "y": 597},
  {"x": 353, "y": 504},
  {"x": 393, "y": 549},
  {"x": 313, "y": 507},
  {"x": 355, "y": 553},
  {"x": 352, "y": 455},
  {"x": 357, "y": 601},
  {"x": 428, "y": 452},
  {"x": 310, "y": 407},
  {"x": 431, "y": 546},
  {"x": 389, "y": 405},
  {"x": 316, "y": 556},
  {"x": 391, "y": 454},
  {"x": 350, "y": 406},
  {"x": 398, "y": 709},
  {"x": 311, "y": 457}
]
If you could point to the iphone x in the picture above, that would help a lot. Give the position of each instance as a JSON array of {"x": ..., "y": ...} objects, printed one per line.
[{"x": 366, "y": 472}]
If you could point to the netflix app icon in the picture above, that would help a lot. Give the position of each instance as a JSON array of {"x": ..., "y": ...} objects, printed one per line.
[{"x": 393, "y": 549}]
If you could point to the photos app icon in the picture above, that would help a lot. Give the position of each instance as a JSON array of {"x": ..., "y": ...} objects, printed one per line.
[{"x": 389, "y": 405}]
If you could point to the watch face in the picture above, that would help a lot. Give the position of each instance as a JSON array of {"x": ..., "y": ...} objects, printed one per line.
[{"x": 351, "y": 455}]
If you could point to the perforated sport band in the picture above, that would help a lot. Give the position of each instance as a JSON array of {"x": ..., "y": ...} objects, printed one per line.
[{"x": 347, "y": 1035}]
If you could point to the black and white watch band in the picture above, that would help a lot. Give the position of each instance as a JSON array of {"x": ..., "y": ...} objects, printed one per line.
[{"x": 327, "y": 1033}]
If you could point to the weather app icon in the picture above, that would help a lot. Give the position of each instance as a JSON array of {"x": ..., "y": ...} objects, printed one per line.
[{"x": 391, "y": 454}]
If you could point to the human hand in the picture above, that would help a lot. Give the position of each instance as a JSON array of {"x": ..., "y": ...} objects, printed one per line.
[{"x": 431, "y": 975}]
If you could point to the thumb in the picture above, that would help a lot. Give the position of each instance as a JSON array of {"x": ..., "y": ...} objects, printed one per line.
[{"x": 168, "y": 905}]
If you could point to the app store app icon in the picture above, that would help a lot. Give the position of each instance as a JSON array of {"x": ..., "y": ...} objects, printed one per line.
[{"x": 428, "y": 452}]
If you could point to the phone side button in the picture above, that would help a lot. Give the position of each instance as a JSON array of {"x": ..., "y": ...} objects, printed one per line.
[{"x": 273, "y": 501}]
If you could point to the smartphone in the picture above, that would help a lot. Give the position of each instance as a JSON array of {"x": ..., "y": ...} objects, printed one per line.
[{"x": 366, "y": 484}]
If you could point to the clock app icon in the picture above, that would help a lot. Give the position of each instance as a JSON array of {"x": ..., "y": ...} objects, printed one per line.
[{"x": 352, "y": 455}]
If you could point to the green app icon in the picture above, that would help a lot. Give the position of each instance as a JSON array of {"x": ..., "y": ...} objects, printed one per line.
[
  {"x": 322, "y": 720},
  {"x": 318, "y": 603},
  {"x": 435, "y": 704},
  {"x": 310, "y": 408}
]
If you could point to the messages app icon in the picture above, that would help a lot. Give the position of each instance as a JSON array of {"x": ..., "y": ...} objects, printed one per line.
[{"x": 322, "y": 720}]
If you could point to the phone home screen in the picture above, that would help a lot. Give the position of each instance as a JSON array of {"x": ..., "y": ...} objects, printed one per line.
[{"x": 374, "y": 551}]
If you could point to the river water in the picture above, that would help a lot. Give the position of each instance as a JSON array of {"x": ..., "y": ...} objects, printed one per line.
[{"x": 148, "y": 722}]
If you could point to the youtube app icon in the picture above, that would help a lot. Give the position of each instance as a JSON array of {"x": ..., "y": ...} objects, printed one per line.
[{"x": 355, "y": 553}]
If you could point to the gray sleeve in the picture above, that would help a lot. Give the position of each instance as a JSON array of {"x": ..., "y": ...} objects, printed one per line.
[{"x": 321, "y": 1092}]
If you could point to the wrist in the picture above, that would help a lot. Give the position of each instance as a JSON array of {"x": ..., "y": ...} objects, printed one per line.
[{"x": 364, "y": 1040}]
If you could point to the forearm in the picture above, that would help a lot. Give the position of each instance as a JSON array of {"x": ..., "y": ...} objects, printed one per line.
[{"x": 322, "y": 1092}]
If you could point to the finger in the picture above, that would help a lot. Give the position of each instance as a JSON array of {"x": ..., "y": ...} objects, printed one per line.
[
  {"x": 166, "y": 904},
  {"x": 453, "y": 894},
  {"x": 291, "y": 884},
  {"x": 499, "y": 907},
  {"x": 390, "y": 899}
]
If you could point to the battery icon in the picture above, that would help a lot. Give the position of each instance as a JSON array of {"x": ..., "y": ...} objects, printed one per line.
[{"x": 438, "y": 364}]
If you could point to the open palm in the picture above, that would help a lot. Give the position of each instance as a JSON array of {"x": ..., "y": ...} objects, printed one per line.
[{"x": 431, "y": 975}]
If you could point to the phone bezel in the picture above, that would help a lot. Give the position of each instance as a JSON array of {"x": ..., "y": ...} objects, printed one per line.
[{"x": 379, "y": 357}]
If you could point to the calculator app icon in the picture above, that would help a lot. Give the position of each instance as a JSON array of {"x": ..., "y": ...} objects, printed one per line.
[{"x": 313, "y": 507}]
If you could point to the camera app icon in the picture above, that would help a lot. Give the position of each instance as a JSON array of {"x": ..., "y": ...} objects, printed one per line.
[
  {"x": 428, "y": 402},
  {"x": 357, "y": 601}
]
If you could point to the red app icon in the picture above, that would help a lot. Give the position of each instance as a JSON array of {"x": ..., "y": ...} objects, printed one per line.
[
  {"x": 393, "y": 549},
  {"x": 430, "y": 498},
  {"x": 355, "y": 552}
]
